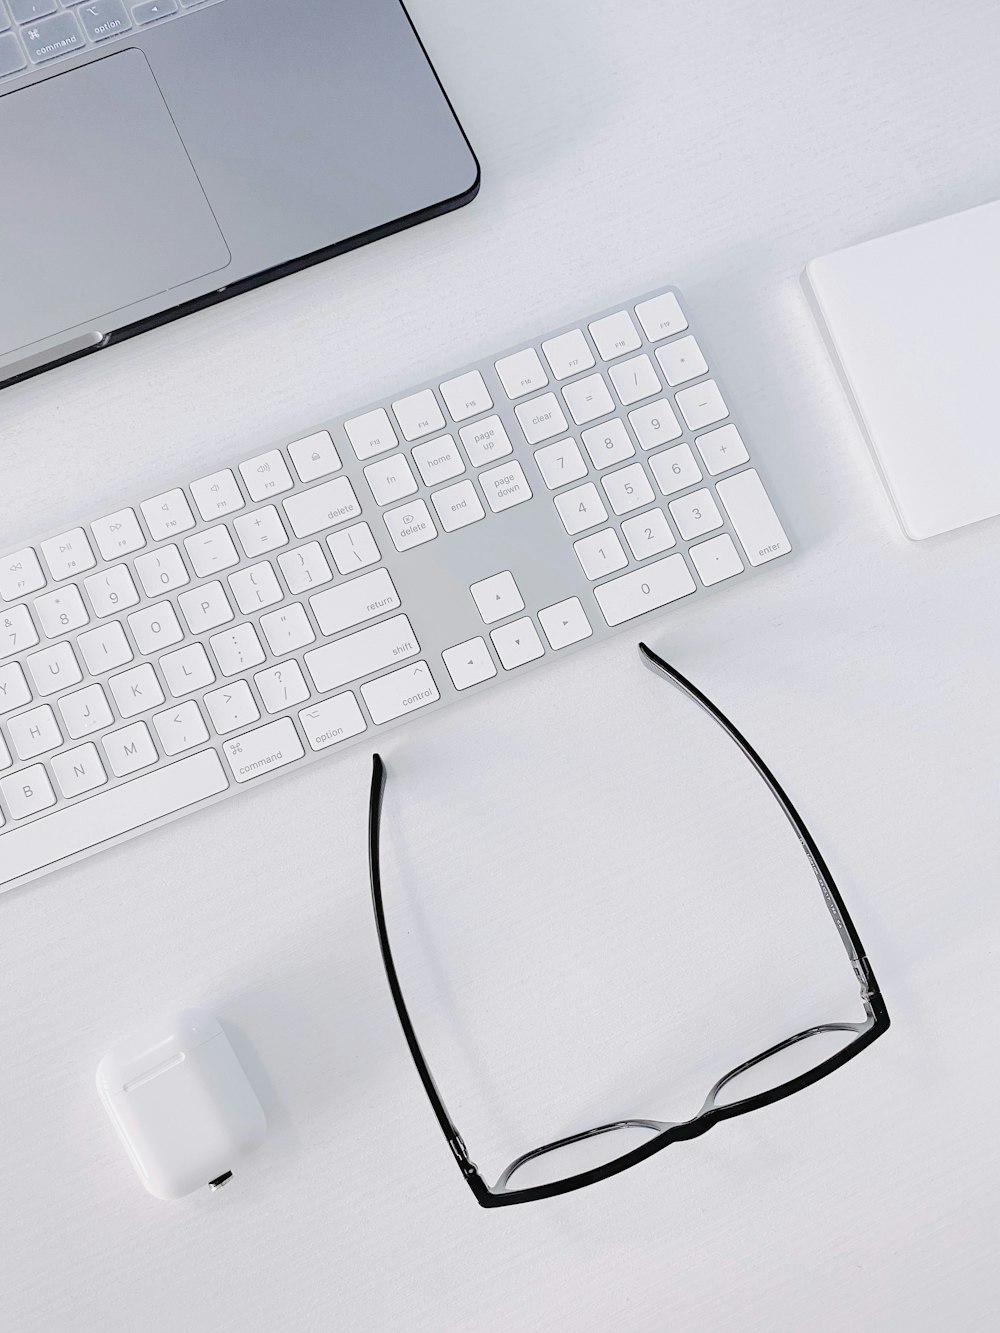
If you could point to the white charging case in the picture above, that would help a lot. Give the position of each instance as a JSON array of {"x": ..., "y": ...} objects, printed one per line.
[{"x": 182, "y": 1104}]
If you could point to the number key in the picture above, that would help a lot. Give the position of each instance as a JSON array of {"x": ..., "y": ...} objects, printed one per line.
[
  {"x": 560, "y": 463},
  {"x": 628, "y": 489},
  {"x": 648, "y": 534},
  {"x": 696, "y": 513},
  {"x": 16, "y": 631},
  {"x": 675, "y": 469}
]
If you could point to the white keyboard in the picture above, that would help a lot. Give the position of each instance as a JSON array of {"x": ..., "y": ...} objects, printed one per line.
[{"x": 200, "y": 641}]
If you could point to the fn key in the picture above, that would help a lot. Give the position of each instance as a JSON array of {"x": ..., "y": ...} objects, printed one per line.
[{"x": 752, "y": 515}]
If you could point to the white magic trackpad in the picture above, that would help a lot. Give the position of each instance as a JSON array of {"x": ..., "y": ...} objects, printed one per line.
[{"x": 102, "y": 206}]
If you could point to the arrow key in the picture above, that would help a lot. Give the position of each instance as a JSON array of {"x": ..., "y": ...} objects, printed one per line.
[
  {"x": 565, "y": 623},
  {"x": 517, "y": 643},
  {"x": 469, "y": 663}
]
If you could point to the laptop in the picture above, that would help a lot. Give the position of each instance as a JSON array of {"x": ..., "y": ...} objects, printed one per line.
[{"x": 159, "y": 155}]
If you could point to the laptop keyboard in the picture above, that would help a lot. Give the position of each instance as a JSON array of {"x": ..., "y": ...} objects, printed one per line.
[{"x": 36, "y": 33}]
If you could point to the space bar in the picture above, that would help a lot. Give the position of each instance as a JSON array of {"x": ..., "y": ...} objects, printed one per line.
[{"x": 77, "y": 828}]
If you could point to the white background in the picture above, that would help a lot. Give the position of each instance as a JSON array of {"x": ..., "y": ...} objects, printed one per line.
[{"x": 623, "y": 145}]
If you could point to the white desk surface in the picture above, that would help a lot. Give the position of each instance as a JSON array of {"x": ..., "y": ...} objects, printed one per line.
[{"x": 623, "y": 145}]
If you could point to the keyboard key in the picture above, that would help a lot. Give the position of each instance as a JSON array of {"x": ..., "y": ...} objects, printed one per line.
[
  {"x": 608, "y": 444},
  {"x": 353, "y": 603},
  {"x": 702, "y": 404},
  {"x": 105, "y": 648},
  {"x": 517, "y": 643},
  {"x": 137, "y": 690},
  {"x": 68, "y": 555},
  {"x": 716, "y": 560},
  {"x": 102, "y": 19},
  {"x": 401, "y": 692},
  {"x": 635, "y": 380},
  {"x": 111, "y": 591},
  {"x": 655, "y": 424},
  {"x": 696, "y": 514},
  {"x": 722, "y": 449},
  {"x": 418, "y": 415},
  {"x": 166, "y": 515},
  {"x": 661, "y": 316},
  {"x": 26, "y": 793},
  {"x": 588, "y": 399},
  {"x": 187, "y": 670},
  {"x": 371, "y": 434},
  {"x": 11, "y": 56},
  {"x": 60, "y": 612},
  {"x": 333, "y": 720},
  {"x": 438, "y": 460},
  {"x": 263, "y": 531},
  {"x": 14, "y": 691},
  {"x": 17, "y": 631},
  {"x": 282, "y": 687},
  {"x": 752, "y": 515},
  {"x": 78, "y": 771},
  {"x": 568, "y": 354},
  {"x": 314, "y": 456},
  {"x": 258, "y": 752},
  {"x": 353, "y": 548},
  {"x": 151, "y": 10},
  {"x": 211, "y": 550},
  {"x": 237, "y": 649},
  {"x": 217, "y": 495},
  {"x": 205, "y": 608},
  {"x": 129, "y": 749},
  {"x": 389, "y": 479},
  {"x": 541, "y": 418},
  {"x": 486, "y": 441},
  {"x": 305, "y": 568},
  {"x": 644, "y": 590},
  {"x": 681, "y": 361},
  {"x": 497, "y": 597},
  {"x": 615, "y": 335},
  {"x": 674, "y": 469},
  {"x": 34, "y": 733},
  {"x": 648, "y": 534},
  {"x": 600, "y": 554},
  {"x": 180, "y": 728},
  {"x": 565, "y": 623},
  {"x": 628, "y": 489},
  {"x": 155, "y": 628},
  {"x": 458, "y": 506},
  {"x": 266, "y": 475},
  {"x": 469, "y": 663},
  {"x": 360, "y": 654},
  {"x": 505, "y": 486},
  {"x": 232, "y": 707},
  {"x": 560, "y": 463},
  {"x": 521, "y": 373},
  {"x": 86, "y": 825},
  {"x": 410, "y": 525},
  {"x": 581, "y": 508},
  {"x": 118, "y": 534},
  {"x": 257, "y": 587},
  {"x": 466, "y": 396},
  {"x": 323, "y": 507},
  {"x": 52, "y": 37},
  {"x": 85, "y": 712},
  {"x": 161, "y": 571},
  {"x": 287, "y": 630},
  {"x": 20, "y": 574},
  {"x": 5, "y": 762}
]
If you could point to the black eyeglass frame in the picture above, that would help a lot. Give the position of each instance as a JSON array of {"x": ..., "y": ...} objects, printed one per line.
[{"x": 666, "y": 1133}]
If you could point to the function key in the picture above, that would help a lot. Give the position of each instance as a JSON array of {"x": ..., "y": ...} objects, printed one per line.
[
  {"x": 371, "y": 433},
  {"x": 418, "y": 414},
  {"x": 615, "y": 335},
  {"x": 265, "y": 475},
  {"x": 118, "y": 534},
  {"x": 20, "y": 574},
  {"x": 521, "y": 373},
  {"x": 661, "y": 316},
  {"x": 568, "y": 354},
  {"x": 69, "y": 554},
  {"x": 466, "y": 396},
  {"x": 314, "y": 456},
  {"x": 167, "y": 514},
  {"x": 217, "y": 495}
]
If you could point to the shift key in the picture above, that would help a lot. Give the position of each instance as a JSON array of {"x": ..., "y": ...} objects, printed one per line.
[{"x": 361, "y": 654}]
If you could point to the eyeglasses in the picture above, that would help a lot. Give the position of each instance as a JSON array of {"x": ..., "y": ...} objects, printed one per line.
[{"x": 716, "y": 1107}]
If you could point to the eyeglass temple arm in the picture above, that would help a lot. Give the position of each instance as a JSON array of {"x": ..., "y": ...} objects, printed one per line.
[
  {"x": 448, "y": 1128},
  {"x": 870, "y": 994}
]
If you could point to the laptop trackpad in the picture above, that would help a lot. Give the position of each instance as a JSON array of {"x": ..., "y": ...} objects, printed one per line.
[{"x": 102, "y": 206}]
